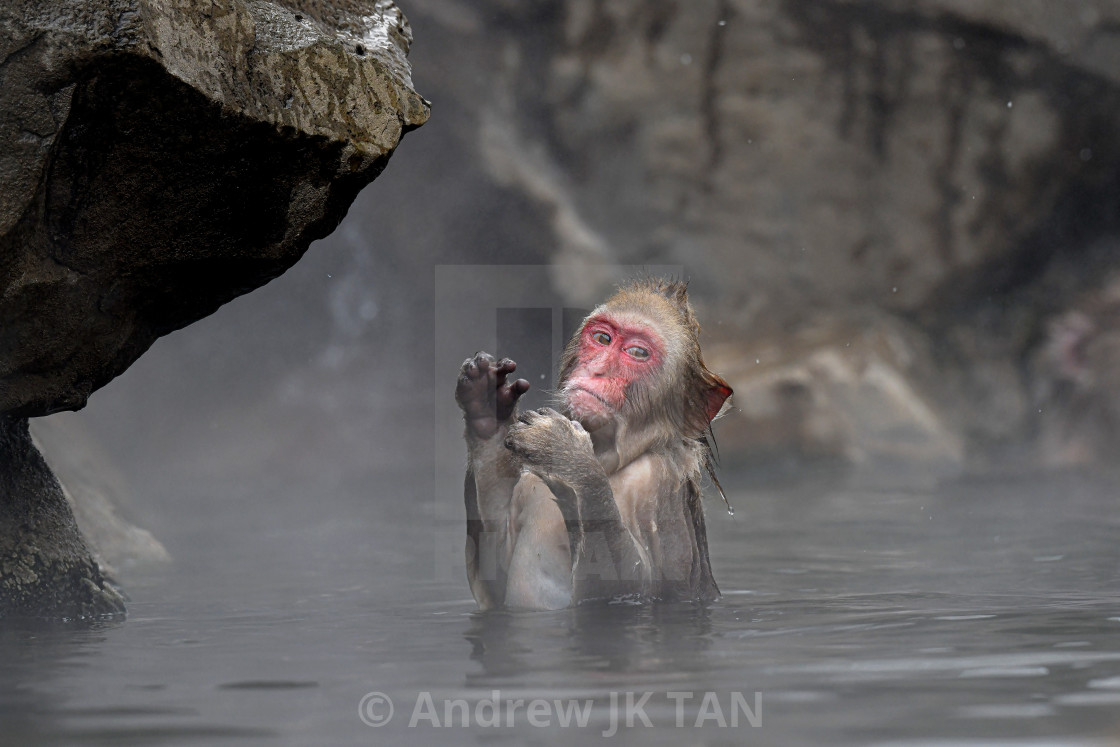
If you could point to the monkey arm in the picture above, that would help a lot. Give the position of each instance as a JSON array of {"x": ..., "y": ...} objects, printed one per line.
[
  {"x": 488, "y": 489},
  {"x": 679, "y": 545},
  {"x": 540, "y": 566},
  {"x": 606, "y": 560},
  {"x": 489, "y": 403},
  {"x": 659, "y": 499}
]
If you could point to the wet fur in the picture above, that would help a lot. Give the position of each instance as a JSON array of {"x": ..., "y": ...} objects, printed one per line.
[{"x": 631, "y": 486}]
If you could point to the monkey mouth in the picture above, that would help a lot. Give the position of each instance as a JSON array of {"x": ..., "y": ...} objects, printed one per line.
[
  {"x": 588, "y": 391},
  {"x": 585, "y": 403}
]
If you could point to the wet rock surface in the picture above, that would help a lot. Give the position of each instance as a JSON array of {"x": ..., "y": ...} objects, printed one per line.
[{"x": 159, "y": 158}]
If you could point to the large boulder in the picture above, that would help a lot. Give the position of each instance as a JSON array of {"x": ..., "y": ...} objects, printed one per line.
[
  {"x": 162, "y": 157},
  {"x": 157, "y": 159}
]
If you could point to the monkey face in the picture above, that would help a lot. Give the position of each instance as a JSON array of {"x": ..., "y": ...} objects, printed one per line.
[{"x": 615, "y": 354}]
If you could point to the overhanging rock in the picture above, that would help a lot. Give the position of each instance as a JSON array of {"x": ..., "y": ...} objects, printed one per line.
[{"x": 159, "y": 158}]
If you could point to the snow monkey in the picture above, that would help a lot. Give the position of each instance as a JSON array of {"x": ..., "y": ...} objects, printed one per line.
[{"x": 601, "y": 498}]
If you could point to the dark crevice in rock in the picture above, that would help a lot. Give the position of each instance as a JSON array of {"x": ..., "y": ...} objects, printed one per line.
[
  {"x": 709, "y": 104},
  {"x": 657, "y": 18},
  {"x": 1091, "y": 104},
  {"x": 1087, "y": 208},
  {"x": 597, "y": 36},
  {"x": 956, "y": 91}
]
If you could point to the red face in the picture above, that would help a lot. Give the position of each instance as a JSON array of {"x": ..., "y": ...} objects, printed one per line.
[{"x": 612, "y": 356}]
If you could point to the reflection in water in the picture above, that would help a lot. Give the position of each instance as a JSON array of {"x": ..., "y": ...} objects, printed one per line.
[
  {"x": 616, "y": 639},
  {"x": 27, "y": 649}
]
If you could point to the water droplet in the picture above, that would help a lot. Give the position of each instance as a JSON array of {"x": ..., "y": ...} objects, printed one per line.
[
  {"x": 723, "y": 23},
  {"x": 1086, "y": 154},
  {"x": 894, "y": 289},
  {"x": 730, "y": 511},
  {"x": 686, "y": 59},
  {"x": 1008, "y": 104}
]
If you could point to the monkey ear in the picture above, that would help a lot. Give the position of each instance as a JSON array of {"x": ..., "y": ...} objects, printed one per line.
[{"x": 716, "y": 396}]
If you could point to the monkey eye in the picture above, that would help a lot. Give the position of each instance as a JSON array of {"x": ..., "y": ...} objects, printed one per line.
[
  {"x": 638, "y": 352},
  {"x": 601, "y": 337}
]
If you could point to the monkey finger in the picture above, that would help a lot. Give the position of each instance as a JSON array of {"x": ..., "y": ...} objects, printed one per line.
[
  {"x": 519, "y": 387},
  {"x": 528, "y": 417},
  {"x": 503, "y": 368}
]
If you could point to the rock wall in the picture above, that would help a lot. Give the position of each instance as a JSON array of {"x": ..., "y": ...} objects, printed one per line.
[
  {"x": 888, "y": 209},
  {"x": 157, "y": 159}
]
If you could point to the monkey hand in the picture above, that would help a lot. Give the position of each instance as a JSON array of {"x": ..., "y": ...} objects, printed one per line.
[
  {"x": 487, "y": 399},
  {"x": 559, "y": 452},
  {"x": 551, "y": 445}
]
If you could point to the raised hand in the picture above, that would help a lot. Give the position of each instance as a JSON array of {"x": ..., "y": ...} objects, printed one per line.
[{"x": 487, "y": 398}]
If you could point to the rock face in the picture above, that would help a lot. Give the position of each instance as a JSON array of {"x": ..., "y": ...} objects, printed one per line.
[
  {"x": 941, "y": 173},
  {"x": 162, "y": 158},
  {"x": 45, "y": 568},
  {"x": 157, "y": 159}
]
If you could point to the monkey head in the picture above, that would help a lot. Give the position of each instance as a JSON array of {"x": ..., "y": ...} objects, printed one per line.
[{"x": 636, "y": 361}]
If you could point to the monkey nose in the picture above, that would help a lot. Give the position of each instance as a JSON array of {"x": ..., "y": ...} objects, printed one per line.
[{"x": 599, "y": 367}]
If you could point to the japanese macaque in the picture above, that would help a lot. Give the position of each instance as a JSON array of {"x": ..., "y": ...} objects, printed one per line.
[{"x": 601, "y": 499}]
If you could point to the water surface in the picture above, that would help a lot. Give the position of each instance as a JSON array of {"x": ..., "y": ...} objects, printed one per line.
[{"x": 978, "y": 612}]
